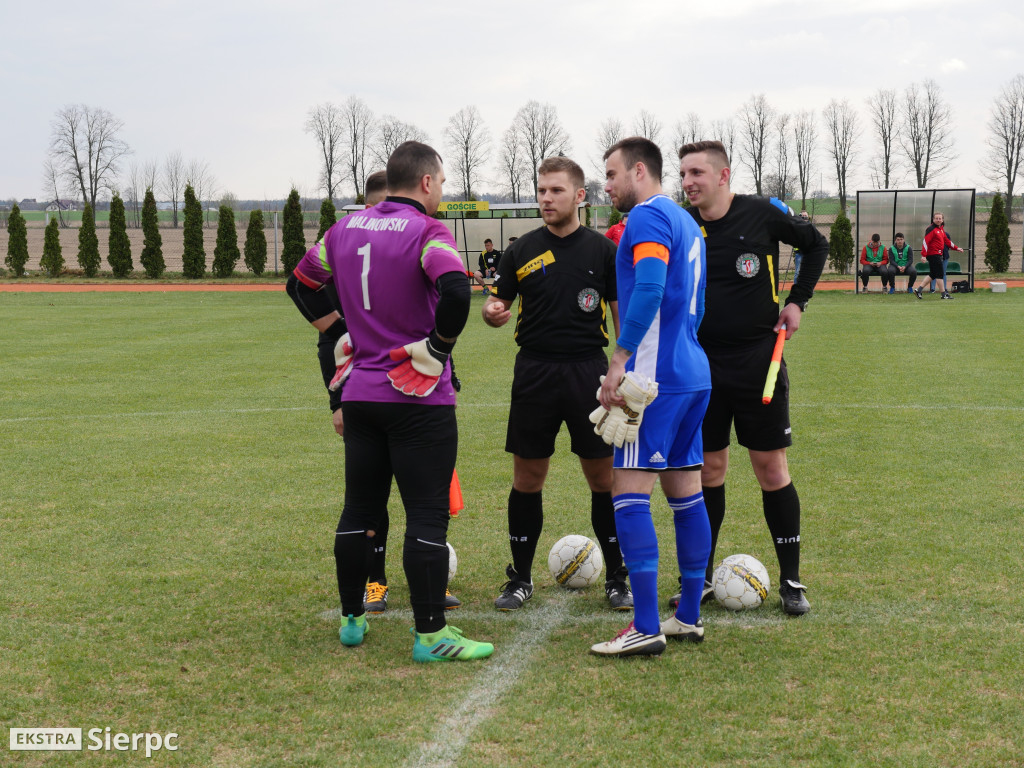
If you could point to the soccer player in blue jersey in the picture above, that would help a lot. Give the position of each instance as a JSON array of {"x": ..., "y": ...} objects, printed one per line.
[{"x": 654, "y": 396}]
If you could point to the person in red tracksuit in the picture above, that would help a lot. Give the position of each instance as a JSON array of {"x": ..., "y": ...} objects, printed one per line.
[
  {"x": 614, "y": 232},
  {"x": 935, "y": 241}
]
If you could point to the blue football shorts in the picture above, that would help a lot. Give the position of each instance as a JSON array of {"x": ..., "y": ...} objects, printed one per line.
[{"x": 670, "y": 436}]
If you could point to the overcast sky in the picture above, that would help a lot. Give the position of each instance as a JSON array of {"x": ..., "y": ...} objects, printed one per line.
[{"x": 231, "y": 83}]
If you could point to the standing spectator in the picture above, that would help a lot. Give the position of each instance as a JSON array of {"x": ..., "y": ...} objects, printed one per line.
[
  {"x": 874, "y": 260},
  {"x": 936, "y": 242},
  {"x": 564, "y": 276},
  {"x": 902, "y": 262}
]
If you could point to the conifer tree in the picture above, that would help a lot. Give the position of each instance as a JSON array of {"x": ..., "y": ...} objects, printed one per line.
[
  {"x": 997, "y": 237},
  {"x": 840, "y": 244},
  {"x": 17, "y": 242},
  {"x": 152, "y": 256},
  {"x": 88, "y": 243},
  {"x": 255, "y": 244},
  {"x": 328, "y": 217},
  {"x": 52, "y": 262},
  {"x": 194, "y": 256},
  {"x": 225, "y": 253},
  {"x": 294, "y": 240},
  {"x": 120, "y": 254}
]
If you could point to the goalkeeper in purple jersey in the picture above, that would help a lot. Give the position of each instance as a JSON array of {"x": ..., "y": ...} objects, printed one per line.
[
  {"x": 404, "y": 297},
  {"x": 654, "y": 396}
]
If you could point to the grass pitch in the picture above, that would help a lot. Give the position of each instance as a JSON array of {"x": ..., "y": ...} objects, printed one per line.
[{"x": 170, "y": 483}]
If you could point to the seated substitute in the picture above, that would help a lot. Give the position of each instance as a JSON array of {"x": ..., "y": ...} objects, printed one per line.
[
  {"x": 874, "y": 260},
  {"x": 487, "y": 264},
  {"x": 901, "y": 260}
]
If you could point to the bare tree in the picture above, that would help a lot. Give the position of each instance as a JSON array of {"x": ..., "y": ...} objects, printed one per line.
[
  {"x": 646, "y": 124},
  {"x": 86, "y": 149},
  {"x": 1005, "y": 153},
  {"x": 203, "y": 182},
  {"x": 725, "y": 132},
  {"x": 756, "y": 117},
  {"x": 467, "y": 140},
  {"x": 686, "y": 132},
  {"x": 134, "y": 193},
  {"x": 390, "y": 133},
  {"x": 609, "y": 132},
  {"x": 511, "y": 163},
  {"x": 884, "y": 114},
  {"x": 542, "y": 134},
  {"x": 174, "y": 182},
  {"x": 151, "y": 175},
  {"x": 694, "y": 128},
  {"x": 327, "y": 125},
  {"x": 52, "y": 184},
  {"x": 841, "y": 120},
  {"x": 683, "y": 132},
  {"x": 926, "y": 133},
  {"x": 780, "y": 181},
  {"x": 359, "y": 125},
  {"x": 805, "y": 136}
]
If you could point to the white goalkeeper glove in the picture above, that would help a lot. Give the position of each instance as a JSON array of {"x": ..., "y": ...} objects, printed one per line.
[
  {"x": 343, "y": 360},
  {"x": 421, "y": 365},
  {"x": 621, "y": 424}
]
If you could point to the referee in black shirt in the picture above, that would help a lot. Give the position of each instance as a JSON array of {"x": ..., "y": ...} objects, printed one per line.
[
  {"x": 741, "y": 320},
  {"x": 564, "y": 276}
]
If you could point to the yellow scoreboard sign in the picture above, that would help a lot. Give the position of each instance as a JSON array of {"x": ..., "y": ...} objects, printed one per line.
[{"x": 459, "y": 205}]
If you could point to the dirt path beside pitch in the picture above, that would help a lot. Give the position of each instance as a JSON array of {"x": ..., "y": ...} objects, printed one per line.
[{"x": 132, "y": 288}]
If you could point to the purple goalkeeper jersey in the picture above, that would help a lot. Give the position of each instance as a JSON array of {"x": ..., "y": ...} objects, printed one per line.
[{"x": 385, "y": 262}]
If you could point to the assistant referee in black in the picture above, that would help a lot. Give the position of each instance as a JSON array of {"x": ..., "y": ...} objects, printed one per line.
[
  {"x": 564, "y": 276},
  {"x": 741, "y": 318}
]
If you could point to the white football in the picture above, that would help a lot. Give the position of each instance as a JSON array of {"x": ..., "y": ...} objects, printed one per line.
[
  {"x": 453, "y": 562},
  {"x": 575, "y": 562},
  {"x": 740, "y": 582}
]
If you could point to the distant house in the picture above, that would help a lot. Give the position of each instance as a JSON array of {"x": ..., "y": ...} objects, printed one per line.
[
  {"x": 61, "y": 205},
  {"x": 30, "y": 204}
]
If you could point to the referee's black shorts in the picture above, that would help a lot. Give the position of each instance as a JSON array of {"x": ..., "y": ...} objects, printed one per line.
[
  {"x": 544, "y": 394},
  {"x": 737, "y": 386}
]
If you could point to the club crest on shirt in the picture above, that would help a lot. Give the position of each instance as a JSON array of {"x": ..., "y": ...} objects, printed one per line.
[
  {"x": 748, "y": 265},
  {"x": 588, "y": 299}
]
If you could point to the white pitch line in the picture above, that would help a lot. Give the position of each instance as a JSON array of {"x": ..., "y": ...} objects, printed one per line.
[
  {"x": 490, "y": 406},
  {"x": 913, "y": 407},
  {"x": 510, "y": 659}
]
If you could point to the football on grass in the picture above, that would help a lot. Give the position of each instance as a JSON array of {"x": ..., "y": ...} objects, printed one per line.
[
  {"x": 575, "y": 562},
  {"x": 453, "y": 562},
  {"x": 740, "y": 582}
]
